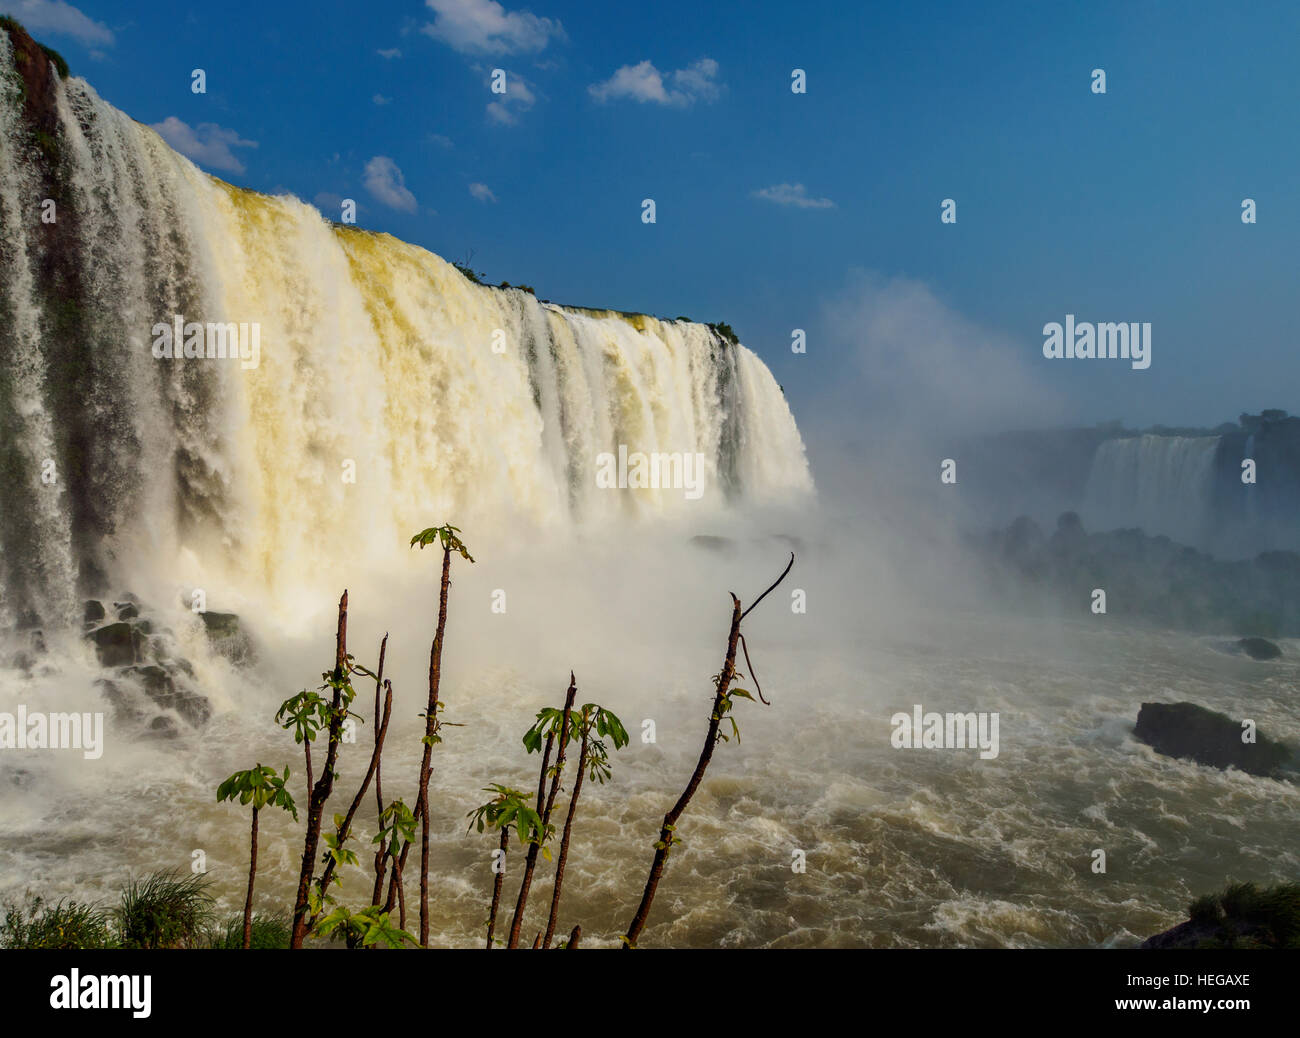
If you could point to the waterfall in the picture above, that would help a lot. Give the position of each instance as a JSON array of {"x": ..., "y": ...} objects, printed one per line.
[
  {"x": 1163, "y": 484},
  {"x": 390, "y": 393}
]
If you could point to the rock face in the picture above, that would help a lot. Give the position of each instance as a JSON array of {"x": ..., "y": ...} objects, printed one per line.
[{"x": 1194, "y": 733}]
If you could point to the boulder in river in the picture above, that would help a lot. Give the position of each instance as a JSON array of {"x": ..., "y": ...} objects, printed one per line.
[
  {"x": 118, "y": 644},
  {"x": 1258, "y": 648},
  {"x": 167, "y": 692},
  {"x": 1194, "y": 733}
]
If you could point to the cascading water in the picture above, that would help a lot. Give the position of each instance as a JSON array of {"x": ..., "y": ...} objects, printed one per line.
[
  {"x": 377, "y": 361},
  {"x": 1163, "y": 484}
]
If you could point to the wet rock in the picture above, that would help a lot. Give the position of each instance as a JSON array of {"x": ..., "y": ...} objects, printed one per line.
[
  {"x": 228, "y": 638},
  {"x": 118, "y": 644},
  {"x": 161, "y": 727},
  {"x": 1258, "y": 648},
  {"x": 124, "y": 709},
  {"x": 1192, "y": 732},
  {"x": 126, "y": 610},
  {"x": 94, "y": 612},
  {"x": 163, "y": 690},
  {"x": 26, "y": 659}
]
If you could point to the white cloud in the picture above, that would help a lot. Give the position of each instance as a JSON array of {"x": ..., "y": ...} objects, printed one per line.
[
  {"x": 380, "y": 99},
  {"x": 482, "y": 192},
  {"x": 389, "y": 53},
  {"x": 207, "y": 144},
  {"x": 56, "y": 16},
  {"x": 442, "y": 141},
  {"x": 518, "y": 98},
  {"x": 646, "y": 84},
  {"x": 485, "y": 27},
  {"x": 794, "y": 195},
  {"x": 385, "y": 181}
]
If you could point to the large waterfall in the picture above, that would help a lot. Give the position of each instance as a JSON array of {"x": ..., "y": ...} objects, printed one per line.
[
  {"x": 390, "y": 393},
  {"x": 1163, "y": 484}
]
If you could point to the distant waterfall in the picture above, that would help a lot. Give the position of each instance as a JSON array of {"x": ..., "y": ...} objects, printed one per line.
[
  {"x": 446, "y": 400},
  {"x": 1163, "y": 484}
]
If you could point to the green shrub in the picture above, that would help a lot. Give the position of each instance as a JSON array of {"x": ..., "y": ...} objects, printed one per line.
[
  {"x": 57, "y": 59},
  {"x": 1251, "y": 917},
  {"x": 66, "y": 925},
  {"x": 164, "y": 910},
  {"x": 726, "y": 332},
  {"x": 469, "y": 272}
]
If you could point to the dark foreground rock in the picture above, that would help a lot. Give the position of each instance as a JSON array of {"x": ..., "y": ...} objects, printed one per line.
[{"x": 1192, "y": 732}]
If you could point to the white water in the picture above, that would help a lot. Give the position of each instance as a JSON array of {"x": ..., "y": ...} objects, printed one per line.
[
  {"x": 375, "y": 354},
  {"x": 1162, "y": 484}
]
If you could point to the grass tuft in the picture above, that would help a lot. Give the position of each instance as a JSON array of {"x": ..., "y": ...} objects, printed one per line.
[{"x": 166, "y": 909}]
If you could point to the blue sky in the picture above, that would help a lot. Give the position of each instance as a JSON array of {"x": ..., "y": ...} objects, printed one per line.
[{"x": 777, "y": 210}]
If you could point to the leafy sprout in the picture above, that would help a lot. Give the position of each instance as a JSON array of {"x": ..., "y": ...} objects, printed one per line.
[
  {"x": 510, "y": 807},
  {"x": 260, "y": 786},
  {"x": 448, "y": 536}
]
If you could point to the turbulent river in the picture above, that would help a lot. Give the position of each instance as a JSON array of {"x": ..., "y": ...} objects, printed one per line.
[
  {"x": 128, "y": 471},
  {"x": 903, "y": 847}
]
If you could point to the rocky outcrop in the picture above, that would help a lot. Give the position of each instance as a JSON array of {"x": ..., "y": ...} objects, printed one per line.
[
  {"x": 1192, "y": 732},
  {"x": 1150, "y": 578},
  {"x": 147, "y": 674},
  {"x": 1041, "y": 472},
  {"x": 118, "y": 644}
]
